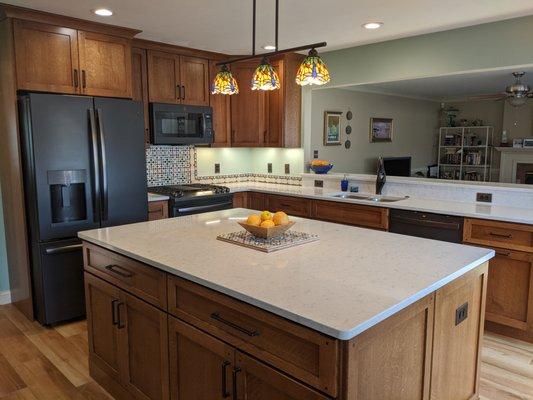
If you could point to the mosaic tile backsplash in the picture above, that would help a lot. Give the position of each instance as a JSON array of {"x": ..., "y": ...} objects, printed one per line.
[{"x": 168, "y": 165}]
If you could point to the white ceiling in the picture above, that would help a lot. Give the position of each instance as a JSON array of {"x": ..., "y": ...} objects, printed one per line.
[
  {"x": 225, "y": 25},
  {"x": 451, "y": 87}
]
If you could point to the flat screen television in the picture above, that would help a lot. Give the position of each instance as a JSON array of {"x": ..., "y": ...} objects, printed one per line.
[{"x": 397, "y": 166}]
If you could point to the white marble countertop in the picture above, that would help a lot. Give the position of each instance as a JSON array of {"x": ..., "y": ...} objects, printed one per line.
[
  {"x": 157, "y": 197},
  {"x": 348, "y": 281},
  {"x": 464, "y": 209}
]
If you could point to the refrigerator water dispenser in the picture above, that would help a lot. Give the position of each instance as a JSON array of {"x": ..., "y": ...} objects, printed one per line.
[{"x": 67, "y": 195}]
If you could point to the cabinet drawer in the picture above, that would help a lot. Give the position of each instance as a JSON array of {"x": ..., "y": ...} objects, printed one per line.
[
  {"x": 351, "y": 214},
  {"x": 291, "y": 205},
  {"x": 157, "y": 210},
  {"x": 498, "y": 234},
  {"x": 141, "y": 280},
  {"x": 305, "y": 354}
]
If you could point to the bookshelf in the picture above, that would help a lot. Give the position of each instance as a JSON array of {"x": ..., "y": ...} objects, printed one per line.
[{"x": 465, "y": 153}]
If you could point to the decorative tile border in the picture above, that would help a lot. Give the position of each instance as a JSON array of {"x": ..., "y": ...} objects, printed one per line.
[{"x": 168, "y": 165}]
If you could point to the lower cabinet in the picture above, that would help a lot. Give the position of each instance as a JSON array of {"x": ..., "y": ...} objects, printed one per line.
[
  {"x": 157, "y": 210},
  {"x": 203, "y": 367},
  {"x": 128, "y": 342}
]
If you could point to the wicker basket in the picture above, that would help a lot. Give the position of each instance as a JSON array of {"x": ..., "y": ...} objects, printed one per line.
[{"x": 267, "y": 233}]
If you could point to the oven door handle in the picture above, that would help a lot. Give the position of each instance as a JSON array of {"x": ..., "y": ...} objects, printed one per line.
[{"x": 203, "y": 208}]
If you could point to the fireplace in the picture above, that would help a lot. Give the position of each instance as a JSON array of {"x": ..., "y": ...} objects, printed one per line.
[{"x": 524, "y": 173}]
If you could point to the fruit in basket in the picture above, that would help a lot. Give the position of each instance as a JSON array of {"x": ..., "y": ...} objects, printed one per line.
[
  {"x": 266, "y": 215},
  {"x": 268, "y": 224},
  {"x": 320, "y": 163},
  {"x": 280, "y": 218},
  {"x": 254, "y": 220}
]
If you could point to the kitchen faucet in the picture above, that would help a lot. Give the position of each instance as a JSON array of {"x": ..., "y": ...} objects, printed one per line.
[{"x": 381, "y": 177}]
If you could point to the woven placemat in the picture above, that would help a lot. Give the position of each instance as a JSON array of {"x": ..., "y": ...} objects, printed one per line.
[{"x": 288, "y": 239}]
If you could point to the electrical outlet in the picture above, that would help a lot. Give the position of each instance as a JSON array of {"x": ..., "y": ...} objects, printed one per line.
[
  {"x": 287, "y": 168},
  {"x": 269, "y": 168},
  {"x": 319, "y": 183},
  {"x": 315, "y": 153},
  {"x": 217, "y": 168},
  {"x": 484, "y": 197},
  {"x": 461, "y": 314}
]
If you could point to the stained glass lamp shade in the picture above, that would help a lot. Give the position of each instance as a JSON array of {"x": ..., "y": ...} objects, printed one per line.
[
  {"x": 312, "y": 71},
  {"x": 224, "y": 83},
  {"x": 265, "y": 78}
]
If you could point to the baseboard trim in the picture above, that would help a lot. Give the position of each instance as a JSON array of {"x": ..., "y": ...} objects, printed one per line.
[{"x": 5, "y": 297}]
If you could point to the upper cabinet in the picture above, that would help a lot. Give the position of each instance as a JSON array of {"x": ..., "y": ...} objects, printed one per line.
[
  {"x": 177, "y": 79},
  {"x": 140, "y": 86},
  {"x": 221, "y": 113},
  {"x": 63, "y": 60}
]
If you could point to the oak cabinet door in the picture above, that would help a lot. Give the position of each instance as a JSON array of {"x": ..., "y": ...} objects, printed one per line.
[
  {"x": 257, "y": 201},
  {"x": 257, "y": 381},
  {"x": 163, "y": 77},
  {"x": 144, "y": 351},
  {"x": 140, "y": 86},
  {"x": 102, "y": 300},
  {"x": 194, "y": 79},
  {"x": 105, "y": 64},
  {"x": 248, "y": 125},
  {"x": 46, "y": 57},
  {"x": 220, "y": 104},
  {"x": 200, "y": 365},
  {"x": 510, "y": 289},
  {"x": 274, "y": 117}
]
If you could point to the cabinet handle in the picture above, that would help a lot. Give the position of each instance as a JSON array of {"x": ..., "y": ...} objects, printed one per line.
[
  {"x": 502, "y": 235},
  {"x": 183, "y": 92},
  {"x": 83, "y": 78},
  {"x": 114, "y": 312},
  {"x": 225, "y": 393},
  {"x": 216, "y": 316},
  {"x": 116, "y": 269},
  {"x": 178, "y": 90},
  {"x": 234, "y": 380},
  {"x": 503, "y": 253},
  {"x": 120, "y": 325},
  {"x": 76, "y": 78}
]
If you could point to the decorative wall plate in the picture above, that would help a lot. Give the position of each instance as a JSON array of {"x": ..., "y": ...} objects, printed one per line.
[
  {"x": 348, "y": 129},
  {"x": 349, "y": 115}
]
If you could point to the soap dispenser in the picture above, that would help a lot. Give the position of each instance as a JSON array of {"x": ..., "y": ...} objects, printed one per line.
[{"x": 381, "y": 177}]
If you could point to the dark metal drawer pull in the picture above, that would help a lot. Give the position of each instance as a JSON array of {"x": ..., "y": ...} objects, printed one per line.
[
  {"x": 216, "y": 316},
  {"x": 64, "y": 249},
  {"x": 120, "y": 325},
  {"x": 503, "y": 253},
  {"x": 502, "y": 235},
  {"x": 235, "y": 372},
  {"x": 114, "y": 312},
  {"x": 118, "y": 270},
  {"x": 225, "y": 393}
]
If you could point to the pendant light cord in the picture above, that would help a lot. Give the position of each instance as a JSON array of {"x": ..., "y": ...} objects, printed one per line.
[
  {"x": 277, "y": 24},
  {"x": 253, "y": 28}
]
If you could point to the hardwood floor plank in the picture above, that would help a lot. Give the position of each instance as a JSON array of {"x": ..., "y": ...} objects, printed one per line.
[{"x": 10, "y": 381}]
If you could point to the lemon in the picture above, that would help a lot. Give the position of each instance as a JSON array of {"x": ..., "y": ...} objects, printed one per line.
[
  {"x": 267, "y": 224},
  {"x": 254, "y": 220},
  {"x": 280, "y": 218},
  {"x": 266, "y": 215}
]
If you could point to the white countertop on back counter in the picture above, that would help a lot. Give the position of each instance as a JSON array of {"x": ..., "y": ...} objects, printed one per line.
[
  {"x": 157, "y": 197},
  {"x": 464, "y": 209},
  {"x": 341, "y": 285}
]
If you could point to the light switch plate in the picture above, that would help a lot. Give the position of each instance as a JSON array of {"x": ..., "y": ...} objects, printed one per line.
[
  {"x": 217, "y": 168},
  {"x": 269, "y": 168},
  {"x": 287, "y": 168},
  {"x": 484, "y": 197}
]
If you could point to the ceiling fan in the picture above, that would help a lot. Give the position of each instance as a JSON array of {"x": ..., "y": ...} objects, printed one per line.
[{"x": 516, "y": 93}]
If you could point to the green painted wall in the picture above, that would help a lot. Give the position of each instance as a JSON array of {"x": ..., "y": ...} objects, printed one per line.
[{"x": 4, "y": 278}]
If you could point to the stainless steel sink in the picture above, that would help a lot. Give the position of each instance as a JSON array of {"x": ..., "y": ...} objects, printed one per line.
[{"x": 369, "y": 197}]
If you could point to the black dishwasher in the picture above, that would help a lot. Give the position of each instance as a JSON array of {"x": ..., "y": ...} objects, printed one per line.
[{"x": 427, "y": 225}]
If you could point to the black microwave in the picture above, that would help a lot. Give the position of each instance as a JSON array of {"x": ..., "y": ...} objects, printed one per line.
[{"x": 174, "y": 124}]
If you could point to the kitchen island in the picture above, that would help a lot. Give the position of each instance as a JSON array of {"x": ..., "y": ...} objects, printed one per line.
[{"x": 359, "y": 314}]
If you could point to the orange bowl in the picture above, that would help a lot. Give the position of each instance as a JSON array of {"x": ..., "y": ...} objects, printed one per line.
[{"x": 267, "y": 233}]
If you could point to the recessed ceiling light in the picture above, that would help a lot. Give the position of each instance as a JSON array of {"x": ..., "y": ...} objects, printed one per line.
[
  {"x": 103, "y": 12},
  {"x": 269, "y": 47},
  {"x": 373, "y": 25}
]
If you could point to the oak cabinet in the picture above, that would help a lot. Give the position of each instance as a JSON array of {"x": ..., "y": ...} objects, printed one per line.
[
  {"x": 157, "y": 210},
  {"x": 296, "y": 206},
  {"x": 220, "y": 104},
  {"x": 248, "y": 111},
  {"x": 128, "y": 340},
  {"x": 257, "y": 201},
  {"x": 177, "y": 79},
  {"x": 240, "y": 200},
  {"x": 140, "y": 86},
  {"x": 46, "y": 57},
  {"x": 351, "y": 214},
  {"x": 63, "y": 60}
]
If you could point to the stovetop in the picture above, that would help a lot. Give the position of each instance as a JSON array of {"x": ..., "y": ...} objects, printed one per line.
[{"x": 189, "y": 190}]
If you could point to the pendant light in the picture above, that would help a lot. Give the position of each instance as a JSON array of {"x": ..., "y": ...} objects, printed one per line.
[
  {"x": 224, "y": 82},
  {"x": 265, "y": 78},
  {"x": 312, "y": 71}
]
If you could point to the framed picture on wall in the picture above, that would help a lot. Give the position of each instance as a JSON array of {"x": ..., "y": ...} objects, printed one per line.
[
  {"x": 332, "y": 128},
  {"x": 381, "y": 129}
]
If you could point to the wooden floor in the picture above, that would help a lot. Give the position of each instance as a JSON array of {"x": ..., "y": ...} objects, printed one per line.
[{"x": 39, "y": 363}]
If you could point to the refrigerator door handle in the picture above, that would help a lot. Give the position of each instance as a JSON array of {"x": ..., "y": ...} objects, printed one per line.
[
  {"x": 96, "y": 163},
  {"x": 105, "y": 204},
  {"x": 64, "y": 249}
]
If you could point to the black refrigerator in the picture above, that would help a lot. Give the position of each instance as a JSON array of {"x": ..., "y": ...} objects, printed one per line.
[{"x": 84, "y": 167}]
